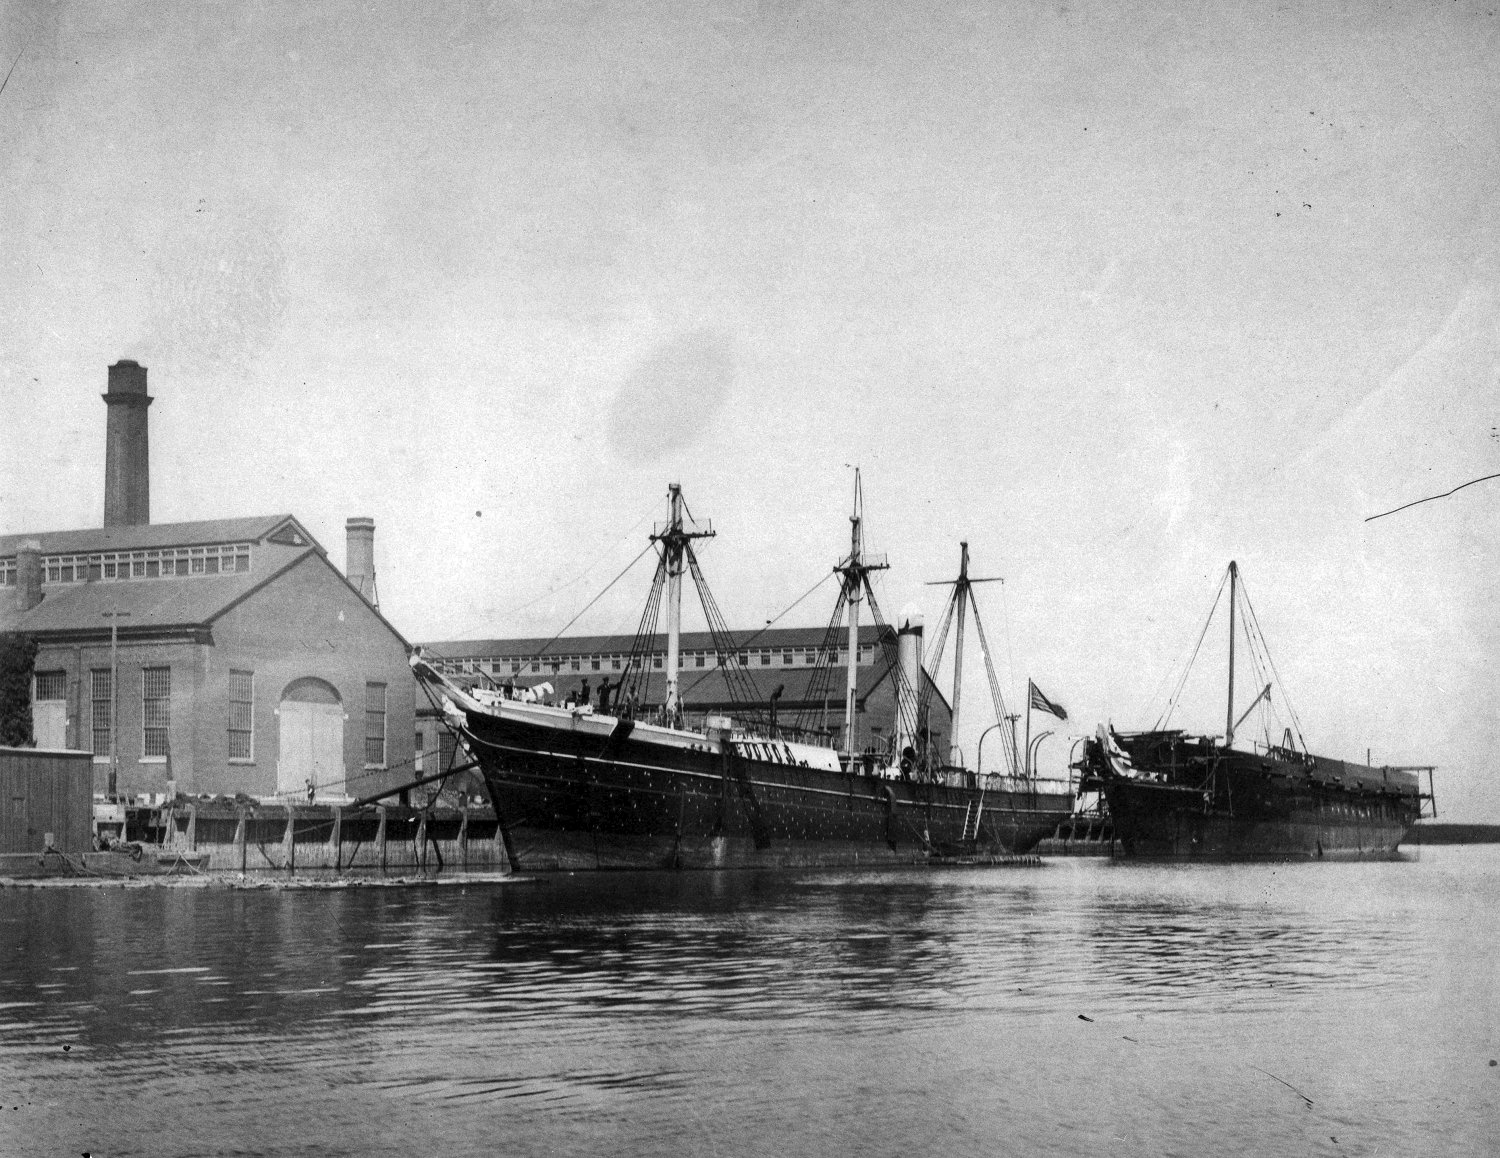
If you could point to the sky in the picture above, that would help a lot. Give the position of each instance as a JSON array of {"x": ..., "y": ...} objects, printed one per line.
[{"x": 1115, "y": 293}]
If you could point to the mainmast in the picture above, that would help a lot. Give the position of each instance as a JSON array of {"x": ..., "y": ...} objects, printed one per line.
[
  {"x": 855, "y": 572},
  {"x": 1234, "y": 573},
  {"x": 674, "y": 541}
]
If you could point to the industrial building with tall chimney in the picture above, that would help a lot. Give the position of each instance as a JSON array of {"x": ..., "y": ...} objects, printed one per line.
[{"x": 206, "y": 658}]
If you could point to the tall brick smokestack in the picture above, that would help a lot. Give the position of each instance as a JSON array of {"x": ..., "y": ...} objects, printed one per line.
[
  {"x": 127, "y": 452},
  {"x": 359, "y": 557}
]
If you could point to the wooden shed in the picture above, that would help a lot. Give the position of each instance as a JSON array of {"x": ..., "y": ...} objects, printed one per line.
[{"x": 46, "y": 791}]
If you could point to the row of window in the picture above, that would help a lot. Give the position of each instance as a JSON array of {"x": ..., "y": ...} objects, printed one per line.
[
  {"x": 158, "y": 563},
  {"x": 156, "y": 712},
  {"x": 762, "y": 657}
]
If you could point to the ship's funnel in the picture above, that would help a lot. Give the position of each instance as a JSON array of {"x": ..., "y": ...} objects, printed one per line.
[{"x": 908, "y": 683}]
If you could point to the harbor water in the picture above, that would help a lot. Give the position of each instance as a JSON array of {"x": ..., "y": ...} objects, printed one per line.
[{"x": 1078, "y": 1007}]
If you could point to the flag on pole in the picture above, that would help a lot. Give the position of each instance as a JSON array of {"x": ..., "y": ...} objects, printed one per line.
[{"x": 1042, "y": 704}]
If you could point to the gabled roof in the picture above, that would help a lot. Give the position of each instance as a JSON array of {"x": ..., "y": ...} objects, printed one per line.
[
  {"x": 252, "y": 529},
  {"x": 149, "y": 604},
  {"x": 770, "y": 638}
]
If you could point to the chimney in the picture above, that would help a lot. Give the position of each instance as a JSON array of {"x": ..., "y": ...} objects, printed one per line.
[
  {"x": 127, "y": 454},
  {"x": 908, "y": 681},
  {"x": 359, "y": 557},
  {"x": 29, "y": 573}
]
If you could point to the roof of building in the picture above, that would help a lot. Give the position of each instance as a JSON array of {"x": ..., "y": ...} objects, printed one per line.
[
  {"x": 147, "y": 535},
  {"x": 769, "y": 638},
  {"x": 157, "y": 605},
  {"x": 149, "y": 603}
]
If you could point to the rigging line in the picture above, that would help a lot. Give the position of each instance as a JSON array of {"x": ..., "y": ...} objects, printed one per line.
[
  {"x": 738, "y": 681},
  {"x": 1172, "y": 700},
  {"x": 1430, "y": 498},
  {"x": 1287, "y": 699},
  {"x": 750, "y": 639},
  {"x": 584, "y": 573},
  {"x": 995, "y": 693},
  {"x": 12, "y": 68},
  {"x": 820, "y": 683},
  {"x": 541, "y": 651},
  {"x": 1010, "y": 655}
]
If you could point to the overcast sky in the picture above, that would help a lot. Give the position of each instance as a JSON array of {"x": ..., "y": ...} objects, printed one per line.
[{"x": 1116, "y": 292}]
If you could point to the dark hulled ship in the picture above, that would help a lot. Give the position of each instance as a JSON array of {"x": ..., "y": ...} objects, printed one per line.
[
  {"x": 1172, "y": 794},
  {"x": 634, "y": 785}
]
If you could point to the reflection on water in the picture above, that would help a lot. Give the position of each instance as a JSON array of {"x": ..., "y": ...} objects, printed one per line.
[{"x": 1080, "y": 1005}]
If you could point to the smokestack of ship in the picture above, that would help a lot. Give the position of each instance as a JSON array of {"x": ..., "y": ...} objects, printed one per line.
[
  {"x": 127, "y": 450},
  {"x": 908, "y": 681},
  {"x": 359, "y": 557}
]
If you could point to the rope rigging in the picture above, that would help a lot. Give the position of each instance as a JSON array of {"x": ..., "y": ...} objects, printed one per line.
[{"x": 1261, "y": 663}]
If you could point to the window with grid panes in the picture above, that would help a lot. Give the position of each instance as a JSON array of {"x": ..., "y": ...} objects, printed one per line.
[
  {"x": 51, "y": 685},
  {"x": 156, "y": 710},
  {"x": 101, "y": 699},
  {"x": 242, "y": 716},
  {"x": 375, "y": 725}
]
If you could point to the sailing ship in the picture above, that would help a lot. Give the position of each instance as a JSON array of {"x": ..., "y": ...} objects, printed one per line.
[
  {"x": 1171, "y": 794},
  {"x": 641, "y": 784}
]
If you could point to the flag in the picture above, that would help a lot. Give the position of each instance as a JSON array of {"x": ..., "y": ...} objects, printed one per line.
[{"x": 1042, "y": 704}]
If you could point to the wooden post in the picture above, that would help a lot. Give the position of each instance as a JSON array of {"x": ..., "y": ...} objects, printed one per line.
[
  {"x": 288, "y": 844},
  {"x": 336, "y": 840},
  {"x": 463, "y": 837},
  {"x": 239, "y": 838},
  {"x": 422, "y": 842},
  {"x": 498, "y": 858},
  {"x": 380, "y": 836},
  {"x": 192, "y": 832}
]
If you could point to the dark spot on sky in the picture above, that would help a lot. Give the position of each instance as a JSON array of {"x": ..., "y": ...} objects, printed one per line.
[{"x": 669, "y": 399}]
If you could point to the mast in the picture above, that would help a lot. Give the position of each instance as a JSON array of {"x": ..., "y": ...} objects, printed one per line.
[
  {"x": 674, "y": 541},
  {"x": 961, "y": 597},
  {"x": 1234, "y": 573},
  {"x": 855, "y": 572}
]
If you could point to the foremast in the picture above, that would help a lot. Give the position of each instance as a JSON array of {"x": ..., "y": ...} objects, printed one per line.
[
  {"x": 855, "y": 570},
  {"x": 674, "y": 540}
]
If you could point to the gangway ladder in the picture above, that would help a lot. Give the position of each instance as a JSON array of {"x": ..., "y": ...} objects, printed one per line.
[{"x": 971, "y": 818}]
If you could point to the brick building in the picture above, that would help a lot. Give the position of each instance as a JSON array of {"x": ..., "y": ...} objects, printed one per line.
[{"x": 228, "y": 656}]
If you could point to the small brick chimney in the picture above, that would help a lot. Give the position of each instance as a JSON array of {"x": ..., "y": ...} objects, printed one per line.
[
  {"x": 359, "y": 557},
  {"x": 29, "y": 574},
  {"x": 127, "y": 450}
]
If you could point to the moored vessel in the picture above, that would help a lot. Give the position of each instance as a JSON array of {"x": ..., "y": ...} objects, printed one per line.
[
  {"x": 638, "y": 782},
  {"x": 1176, "y": 795}
]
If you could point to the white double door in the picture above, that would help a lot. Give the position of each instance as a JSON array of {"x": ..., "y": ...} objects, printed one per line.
[{"x": 312, "y": 749}]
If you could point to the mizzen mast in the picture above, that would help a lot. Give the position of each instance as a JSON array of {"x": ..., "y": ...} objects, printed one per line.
[{"x": 958, "y": 602}]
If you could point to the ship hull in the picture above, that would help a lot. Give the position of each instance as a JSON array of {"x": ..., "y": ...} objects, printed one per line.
[
  {"x": 1182, "y": 798},
  {"x": 1152, "y": 822},
  {"x": 568, "y": 801}
]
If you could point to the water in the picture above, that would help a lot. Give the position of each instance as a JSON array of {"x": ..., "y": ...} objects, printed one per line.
[{"x": 1312, "y": 1009}]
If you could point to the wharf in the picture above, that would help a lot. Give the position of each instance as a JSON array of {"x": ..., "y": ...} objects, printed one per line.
[{"x": 259, "y": 838}]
